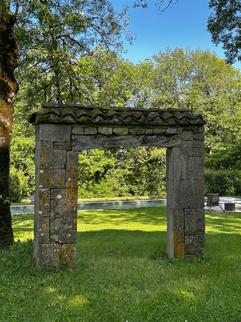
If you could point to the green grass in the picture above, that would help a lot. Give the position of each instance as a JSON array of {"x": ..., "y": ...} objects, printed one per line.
[
  {"x": 122, "y": 273},
  {"x": 28, "y": 202},
  {"x": 120, "y": 198}
]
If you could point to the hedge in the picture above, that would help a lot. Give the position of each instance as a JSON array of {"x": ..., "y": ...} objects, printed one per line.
[{"x": 224, "y": 182}]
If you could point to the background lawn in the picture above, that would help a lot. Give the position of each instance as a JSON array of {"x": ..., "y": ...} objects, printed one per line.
[{"x": 122, "y": 273}]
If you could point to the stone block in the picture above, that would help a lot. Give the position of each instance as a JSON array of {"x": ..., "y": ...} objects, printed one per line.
[
  {"x": 198, "y": 136},
  {"x": 72, "y": 159},
  {"x": 176, "y": 233},
  {"x": 54, "y": 255},
  {"x": 194, "y": 221},
  {"x": 148, "y": 131},
  {"x": 67, "y": 146},
  {"x": 42, "y": 202},
  {"x": 189, "y": 151},
  {"x": 105, "y": 130},
  {"x": 52, "y": 159},
  {"x": 172, "y": 130},
  {"x": 178, "y": 245},
  {"x": 90, "y": 130},
  {"x": 194, "y": 245},
  {"x": 181, "y": 167},
  {"x": 54, "y": 132},
  {"x": 78, "y": 129},
  {"x": 193, "y": 144},
  {"x": 52, "y": 178},
  {"x": 41, "y": 229},
  {"x": 120, "y": 130},
  {"x": 63, "y": 218},
  {"x": 136, "y": 130},
  {"x": 187, "y": 135},
  {"x": 159, "y": 130},
  {"x": 72, "y": 171},
  {"x": 183, "y": 194},
  {"x": 46, "y": 145},
  {"x": 196, "y": 129}
]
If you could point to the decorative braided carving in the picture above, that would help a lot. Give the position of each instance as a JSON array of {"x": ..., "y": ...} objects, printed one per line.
[{"x": 77, "y": 114}]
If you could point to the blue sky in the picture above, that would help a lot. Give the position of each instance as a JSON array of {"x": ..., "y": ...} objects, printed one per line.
[{"x": 184, "y": 25}]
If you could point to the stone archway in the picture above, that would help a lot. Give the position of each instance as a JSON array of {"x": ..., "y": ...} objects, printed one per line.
[{"x": 64, "y": 130}]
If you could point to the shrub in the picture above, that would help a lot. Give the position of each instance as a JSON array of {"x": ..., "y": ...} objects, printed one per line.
[{"x": 18, "y": 185}]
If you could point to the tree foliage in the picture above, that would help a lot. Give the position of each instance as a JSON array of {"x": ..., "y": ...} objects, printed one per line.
[
  {"x": 225, "y": 26},
  {"x": 54, "y": 35}
]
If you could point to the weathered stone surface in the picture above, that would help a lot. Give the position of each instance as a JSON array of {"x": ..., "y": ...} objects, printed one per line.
[
  {"x": 52, "y": 178},
  {"x": 159, "y": 131},
  {"x": 42, "y": 202},
  {"x": 77, "y": 114},
  {"x": 187, "y": 135},
  {"x": 194, "y": 221},
  {"x": 54, "y": 255},
  {"x": 54, "y": 132},
  {"x": 67, "y": 146},
  {"x": 192, "y": 144},
  {"x": 198, "y": 136},
  {"x": 148, "y": 131},
  {"x": 78, "y": 130},
  {"x": 176, "y": 233},
  {"x": 120, "y": 130},
  {"x": 63, "y": 222},
  {"x": 52, "y": 159},
  {"x": 183, "y": 167},
  {"x": 194, "y": 245},
  {"x": 72, "y": 170},
  {"x": 42, "y": 229},
  {"x": 136, "y": 130},
  {"x": 173, "y": 130},
  {"x": 190, "y": 151},
  {"x": 90, "y": 130},
  {"x": 182, "y": 194},
  {"x": 47, "y": 145},
  {"x": 72, "y": 159},
  {"x": 84, "y": 142},
  {"x": 105, "y": 130}
]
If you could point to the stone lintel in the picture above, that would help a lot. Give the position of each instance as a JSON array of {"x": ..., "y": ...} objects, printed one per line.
[{"x": 102, "y": 141}]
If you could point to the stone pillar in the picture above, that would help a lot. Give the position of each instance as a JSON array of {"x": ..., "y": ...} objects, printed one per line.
[
  {"x": 185, "y": 196},
  {"x": 55, "y": 196}
]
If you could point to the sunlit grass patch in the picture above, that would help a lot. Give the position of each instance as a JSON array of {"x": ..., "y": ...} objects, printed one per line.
[{"x": 123, "y": 274}]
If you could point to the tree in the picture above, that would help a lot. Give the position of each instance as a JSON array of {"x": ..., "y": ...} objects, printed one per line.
[
  {"x": 52, "y": 35},
  {"x": 225, "y": 26},
  {"x": 162, "y": 4},
  {"x": 8, "y": 90},
  {"x": 204, "y": 83}
]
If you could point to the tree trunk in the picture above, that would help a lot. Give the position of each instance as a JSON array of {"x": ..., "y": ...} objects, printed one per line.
[{"x": 8, "y": 90}]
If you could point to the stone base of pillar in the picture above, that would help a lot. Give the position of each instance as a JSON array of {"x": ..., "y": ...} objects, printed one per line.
[{"x": 54, "y": 255}]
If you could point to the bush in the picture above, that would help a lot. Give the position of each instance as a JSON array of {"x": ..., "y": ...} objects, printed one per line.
[
  {"x": 18, "y": 185},
  {"x": 225, "y": 182}
]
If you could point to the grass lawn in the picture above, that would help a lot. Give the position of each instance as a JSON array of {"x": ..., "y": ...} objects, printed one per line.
[{"x": 122, "y": 273}]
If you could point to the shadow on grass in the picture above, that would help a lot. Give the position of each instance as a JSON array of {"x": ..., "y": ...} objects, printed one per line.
[
  {"x": 122, "y": 243},
  {"x": 148, "y": 216}
]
